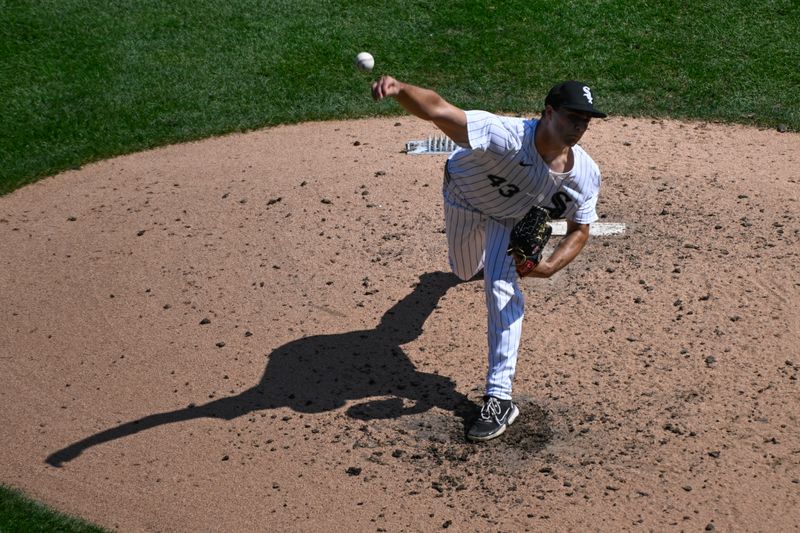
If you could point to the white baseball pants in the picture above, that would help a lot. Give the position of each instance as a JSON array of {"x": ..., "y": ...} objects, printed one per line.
[{"x": 476, "y": 241}]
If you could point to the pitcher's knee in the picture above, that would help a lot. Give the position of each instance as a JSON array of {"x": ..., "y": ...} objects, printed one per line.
[{"x": 464, "y": 273}]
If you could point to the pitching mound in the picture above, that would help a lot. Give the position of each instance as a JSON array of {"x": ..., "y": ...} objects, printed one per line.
[{"x": 259, "y": 333}]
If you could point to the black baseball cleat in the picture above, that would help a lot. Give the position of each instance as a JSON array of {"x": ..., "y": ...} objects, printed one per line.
[{"x": 496, "y": 415}]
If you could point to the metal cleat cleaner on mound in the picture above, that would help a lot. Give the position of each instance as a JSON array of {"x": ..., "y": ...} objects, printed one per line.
[{"x": 434, "y": 144}]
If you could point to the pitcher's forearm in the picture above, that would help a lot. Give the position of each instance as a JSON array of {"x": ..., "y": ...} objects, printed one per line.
[
  {"x": 425, "y": 104},
  {"x": 567, "y": 250},
  {"x": 422, "y": 103}
]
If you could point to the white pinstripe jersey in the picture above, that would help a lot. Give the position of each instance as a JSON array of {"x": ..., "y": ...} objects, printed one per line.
[{"x": 502, "y": 175}]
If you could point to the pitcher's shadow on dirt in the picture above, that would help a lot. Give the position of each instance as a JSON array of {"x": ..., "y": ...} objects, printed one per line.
[{"x": 321, "y": 373}]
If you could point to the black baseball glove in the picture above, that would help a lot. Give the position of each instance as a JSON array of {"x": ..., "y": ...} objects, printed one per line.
[{"x": 528, "y": 239}]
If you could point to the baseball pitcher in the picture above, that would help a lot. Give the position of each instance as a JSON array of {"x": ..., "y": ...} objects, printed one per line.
[{"x": 508, "y": 177}]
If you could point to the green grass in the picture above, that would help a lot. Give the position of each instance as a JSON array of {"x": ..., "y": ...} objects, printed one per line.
[
  {"x": 82, "y": 81},
  {"x": 20, "y": 514}
]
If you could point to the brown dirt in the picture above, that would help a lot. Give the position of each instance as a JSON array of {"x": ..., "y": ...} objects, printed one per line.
[{"x": 657, "y": 377}]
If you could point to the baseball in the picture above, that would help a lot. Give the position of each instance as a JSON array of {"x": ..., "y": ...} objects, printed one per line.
[{"x": 365, "y": 62}]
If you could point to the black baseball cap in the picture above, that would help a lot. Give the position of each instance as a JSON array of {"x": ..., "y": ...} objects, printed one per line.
[{"x": 573, "y": 95}]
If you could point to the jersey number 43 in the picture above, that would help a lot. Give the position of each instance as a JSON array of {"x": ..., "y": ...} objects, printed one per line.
[{"x": 505, "y": 189}]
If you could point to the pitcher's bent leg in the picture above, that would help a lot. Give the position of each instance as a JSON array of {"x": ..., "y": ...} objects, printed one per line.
[{"x": 465, "y": 236}]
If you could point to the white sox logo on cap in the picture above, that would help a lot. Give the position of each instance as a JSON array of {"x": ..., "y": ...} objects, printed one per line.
[
  {"x": 574, "y": 95},
  {"x": 587, "y": 93}
]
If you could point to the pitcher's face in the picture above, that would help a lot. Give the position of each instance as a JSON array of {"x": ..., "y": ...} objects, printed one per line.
[{"x": 569, "y": 126}]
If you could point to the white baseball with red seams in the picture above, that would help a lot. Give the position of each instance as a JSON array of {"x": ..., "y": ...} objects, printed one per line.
[{"x": 365, "y": 62}]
